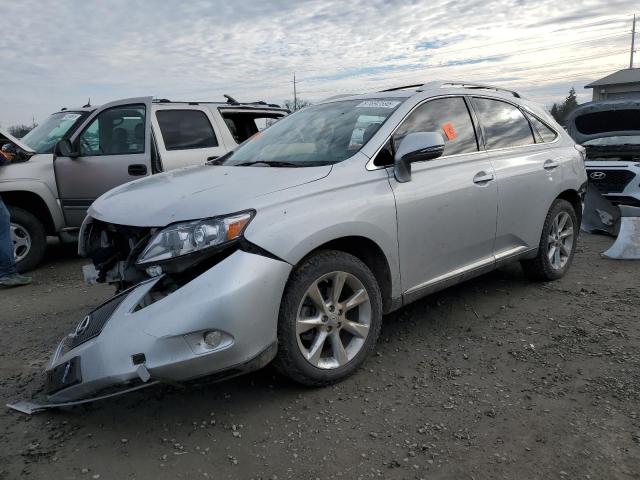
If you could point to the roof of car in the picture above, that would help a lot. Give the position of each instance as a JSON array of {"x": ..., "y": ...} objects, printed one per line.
[
  {"x": 164, "y": 101},
  {"x": 434, "y": 87}
]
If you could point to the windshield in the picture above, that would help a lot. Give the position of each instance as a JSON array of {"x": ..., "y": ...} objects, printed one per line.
[
  {"x": 45, "y": 136},
  {"x": 613, "y": 141},
  {"x": 317, "y": 135}
]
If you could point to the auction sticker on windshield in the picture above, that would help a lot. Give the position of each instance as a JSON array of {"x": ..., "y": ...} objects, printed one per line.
[
  {"x": 378, "y": 104},
  {"x": 71, "y": 116}
]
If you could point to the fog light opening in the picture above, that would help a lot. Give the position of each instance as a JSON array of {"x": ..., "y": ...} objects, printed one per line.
[{"x": 212, "y": 338}]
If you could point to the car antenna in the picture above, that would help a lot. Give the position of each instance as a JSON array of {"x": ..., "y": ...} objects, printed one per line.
[
  {"x": 231, "y": 100},
  {"x": 88, "y": 103}
]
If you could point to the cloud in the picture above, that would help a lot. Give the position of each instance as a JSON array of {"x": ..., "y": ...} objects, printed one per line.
[{"x": 61, "y": 53}]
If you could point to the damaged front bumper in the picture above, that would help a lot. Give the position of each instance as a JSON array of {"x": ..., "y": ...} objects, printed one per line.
[{"x": 222, "y": 322}]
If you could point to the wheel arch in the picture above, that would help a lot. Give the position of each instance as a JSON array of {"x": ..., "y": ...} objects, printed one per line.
[
  {"x": 573, "y": 197},
  {"x": 34, "y": 204},
  {"x": 372, "y": 255}
]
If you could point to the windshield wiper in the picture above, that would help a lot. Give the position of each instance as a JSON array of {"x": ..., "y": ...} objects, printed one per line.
[{"x": 268, "y": 164}]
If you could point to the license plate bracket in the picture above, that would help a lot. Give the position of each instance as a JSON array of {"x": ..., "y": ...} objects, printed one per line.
[{"x": 63, "y": 376}]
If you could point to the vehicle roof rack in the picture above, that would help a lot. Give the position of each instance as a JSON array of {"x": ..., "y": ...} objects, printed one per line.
[
  {"x": 404, "y": 87},
  {"x": 452, "y": 83},
  {"x": 230, "y": 101},
  {"x": 469, "y": 85}
]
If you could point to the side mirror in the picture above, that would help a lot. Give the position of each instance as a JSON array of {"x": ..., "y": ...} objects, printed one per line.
[
  {"x": 65, "y": 149},
  {"x": 416, "y": 147}
]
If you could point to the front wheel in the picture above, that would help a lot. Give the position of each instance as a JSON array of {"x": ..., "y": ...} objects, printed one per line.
[
  {"x": 330, "y": 319},
  {"x": 557, "y": 243},
  {"x": 29, "y": 239}
]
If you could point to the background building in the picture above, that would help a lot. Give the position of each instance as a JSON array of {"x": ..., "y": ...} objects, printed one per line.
[{"x": 619, "y": 85}]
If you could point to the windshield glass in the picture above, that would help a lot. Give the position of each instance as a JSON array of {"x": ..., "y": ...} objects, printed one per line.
[
  {"x": 45, "y": 136},
  {"x": 612, "y": 141},
  {"x": 317, "y": 135}
]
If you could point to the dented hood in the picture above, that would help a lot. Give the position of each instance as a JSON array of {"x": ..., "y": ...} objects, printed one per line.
[
  {"x": 604, "y": 119},
  {"x": 17, "y": 142},
  {"x": 196, "y": 192}
]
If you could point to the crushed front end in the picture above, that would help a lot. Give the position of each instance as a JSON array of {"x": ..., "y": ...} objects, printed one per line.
[{"x": 213, "y": 312}]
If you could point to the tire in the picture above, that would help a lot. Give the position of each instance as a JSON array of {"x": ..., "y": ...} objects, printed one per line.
[
  {"x": 295, "y": 347},
  {"x": 25, "y": 226},
  {"x": 545, "y": 266}
]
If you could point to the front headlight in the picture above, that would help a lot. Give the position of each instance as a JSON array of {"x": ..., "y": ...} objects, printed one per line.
[{"x": 189, "y": 237}]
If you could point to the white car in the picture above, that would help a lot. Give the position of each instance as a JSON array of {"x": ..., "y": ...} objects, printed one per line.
[
  {"x": 77, "y": 154},
  {"x": 610, "y": 133}
]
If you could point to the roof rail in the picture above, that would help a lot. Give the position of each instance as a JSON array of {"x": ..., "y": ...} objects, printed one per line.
[
  {"x": 239, "y": 104},
  {"x": 469, "y": 85},
  {"x": 452, "y": 83},
  {"x": 404, "y": 87}
]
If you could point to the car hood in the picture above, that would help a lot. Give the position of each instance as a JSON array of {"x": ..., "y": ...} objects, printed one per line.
[
  {"x": 196, "y": 192},
  {"x": 14, "y": 140},
  {"x": 604, "y": 119}
]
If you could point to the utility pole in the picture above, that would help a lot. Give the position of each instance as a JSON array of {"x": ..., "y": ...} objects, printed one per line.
[
  {"x": 295, "y": 96},
  {"x": 633, "y": 41}
]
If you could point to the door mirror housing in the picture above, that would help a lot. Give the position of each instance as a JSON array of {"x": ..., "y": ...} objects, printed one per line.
[
  {"x": 416, "y": 147},
  {"x": 65, "y": 149}
]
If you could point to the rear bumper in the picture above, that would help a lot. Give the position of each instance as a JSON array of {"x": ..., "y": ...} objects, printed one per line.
[{"x": 240, "y": 297}]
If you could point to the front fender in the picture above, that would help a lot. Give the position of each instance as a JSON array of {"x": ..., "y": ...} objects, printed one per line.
[
  {"x": 42, "y": 190},
  {"x": 335, "y": 207}
]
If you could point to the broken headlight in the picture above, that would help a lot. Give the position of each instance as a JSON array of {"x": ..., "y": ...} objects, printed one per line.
[{"x": 189, "y": 237}]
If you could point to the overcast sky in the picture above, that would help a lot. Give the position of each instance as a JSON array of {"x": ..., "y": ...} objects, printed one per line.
[{"x": 57, "y": 54}]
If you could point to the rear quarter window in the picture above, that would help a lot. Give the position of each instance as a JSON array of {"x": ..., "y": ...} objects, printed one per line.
[{"x": 541, "y": 131}]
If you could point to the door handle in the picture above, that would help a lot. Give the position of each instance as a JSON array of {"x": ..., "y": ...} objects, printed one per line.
[
  {"x": 550, "y": 164},
  {"x": 137, "y": 169},
  {"x": 483, "y": 177}
]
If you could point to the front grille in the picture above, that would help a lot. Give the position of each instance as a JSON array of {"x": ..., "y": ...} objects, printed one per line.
[
  {"x": 613, "y": 181},
  {"x": 91, "y": 326}
]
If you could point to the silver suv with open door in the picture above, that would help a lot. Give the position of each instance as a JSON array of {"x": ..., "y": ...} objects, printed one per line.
[{"x": 78, "y": 154}]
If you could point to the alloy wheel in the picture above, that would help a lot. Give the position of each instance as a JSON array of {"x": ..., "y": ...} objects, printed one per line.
[
  {"x": 21, "y": 241},
  {"x": 333, "y": 320},
  {"x": 560, "y": 241}
]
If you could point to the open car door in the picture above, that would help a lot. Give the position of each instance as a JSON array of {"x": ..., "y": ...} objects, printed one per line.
[{"x": 112, "y": 147}]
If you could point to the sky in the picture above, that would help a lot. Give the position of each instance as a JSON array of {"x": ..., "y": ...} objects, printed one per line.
[{"x": 61, "y": 53}]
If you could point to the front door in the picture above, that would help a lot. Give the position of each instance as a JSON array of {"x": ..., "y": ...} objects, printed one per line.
[
  {"x": 447, "y": 211},
  {"x": 114, "y": 146}
]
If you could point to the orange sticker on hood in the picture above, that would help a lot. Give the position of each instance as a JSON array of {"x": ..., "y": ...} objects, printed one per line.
[{"x": 449, "y": 131}]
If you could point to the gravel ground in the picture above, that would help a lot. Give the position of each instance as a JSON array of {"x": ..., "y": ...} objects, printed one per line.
[{"x": 495, "y": 378}]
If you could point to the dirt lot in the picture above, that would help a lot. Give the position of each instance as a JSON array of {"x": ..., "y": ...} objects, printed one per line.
[{"x": 495, "y": 378}]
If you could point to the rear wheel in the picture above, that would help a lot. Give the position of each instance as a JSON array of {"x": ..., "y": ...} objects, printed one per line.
[
  {"x": 330, "y": 319},
  {"x": 557, "y": 243},
  {"x": 29, "y": 239}
]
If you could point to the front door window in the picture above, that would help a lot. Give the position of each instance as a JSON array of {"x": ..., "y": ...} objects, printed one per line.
[{"x": 116, "y": 131}]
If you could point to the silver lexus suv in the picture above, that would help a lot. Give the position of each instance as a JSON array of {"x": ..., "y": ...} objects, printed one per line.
[{"x": 293, "y": 246}]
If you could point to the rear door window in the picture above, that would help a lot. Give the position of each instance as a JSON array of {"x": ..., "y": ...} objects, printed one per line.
[
  {"x": 504, "y": 125},
  {"x": 450, "y": 117},
  {"x": 185, "y": 129}
]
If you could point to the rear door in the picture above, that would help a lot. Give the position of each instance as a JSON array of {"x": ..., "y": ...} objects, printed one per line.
[
  {"x": 186, "y": 135},
  {"x": 526, "y": 169},
  {"x": 447, "y": 211},
  {"x": 114, "y": 146}
]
